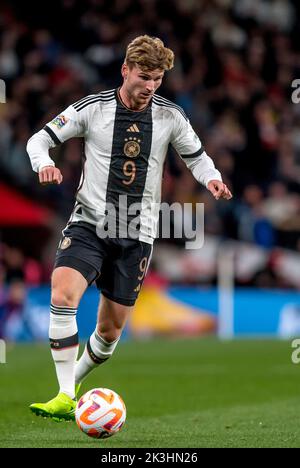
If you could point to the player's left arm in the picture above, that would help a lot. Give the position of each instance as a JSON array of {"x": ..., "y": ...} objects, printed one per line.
[{"x": 190, "y": 149}]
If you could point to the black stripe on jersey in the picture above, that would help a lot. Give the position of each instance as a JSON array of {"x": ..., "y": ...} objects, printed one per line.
[
  {"x": 93, "y": 96},
  {"x": 158, "y": 100},
  {"x": 194, "y": 155},
  {"x": 109, "y": 91},
  {"x": 168, "y": 102},
  {"x": 90, "y": 96},
  {"x": 76, "y": 210},
  {"x": 92, "y": 101},
  {"x": 162, "y": 102},
  {"x": 52, "y": 135},
  {"x": 118, "y": 182},
  {"x": 83, "y": 161}
]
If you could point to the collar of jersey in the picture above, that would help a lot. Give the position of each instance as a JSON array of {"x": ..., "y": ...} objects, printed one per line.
[{"x": 127, "y": 108}]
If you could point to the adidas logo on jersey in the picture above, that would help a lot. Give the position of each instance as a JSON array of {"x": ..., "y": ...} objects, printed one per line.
[{"x": 133, "y": 128}]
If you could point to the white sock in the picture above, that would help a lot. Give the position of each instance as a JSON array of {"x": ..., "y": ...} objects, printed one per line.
[
  {"x": 63, "y": 334},
  {"x": 96, "y": 351}
]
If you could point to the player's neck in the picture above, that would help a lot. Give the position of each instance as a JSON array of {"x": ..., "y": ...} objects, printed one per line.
[{"x": 129, "y": 102}]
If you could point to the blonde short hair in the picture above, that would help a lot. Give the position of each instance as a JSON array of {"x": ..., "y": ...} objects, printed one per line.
[{"x": 149, "y": 53}]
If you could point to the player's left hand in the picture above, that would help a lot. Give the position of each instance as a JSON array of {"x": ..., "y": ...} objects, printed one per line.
[{"x": 219, "y": 190}]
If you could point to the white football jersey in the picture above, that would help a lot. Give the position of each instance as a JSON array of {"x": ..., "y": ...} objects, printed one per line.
[{"x": 124, "y": 155}]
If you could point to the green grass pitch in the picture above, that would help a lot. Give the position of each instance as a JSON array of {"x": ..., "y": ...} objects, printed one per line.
[{"x": 179, "y": 393}]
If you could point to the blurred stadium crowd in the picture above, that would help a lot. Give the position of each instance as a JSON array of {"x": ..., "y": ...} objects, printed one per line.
[{"x": 235, "y": 64}]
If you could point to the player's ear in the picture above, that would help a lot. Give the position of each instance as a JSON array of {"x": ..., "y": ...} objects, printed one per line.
[{"x": 124, "y": 71}]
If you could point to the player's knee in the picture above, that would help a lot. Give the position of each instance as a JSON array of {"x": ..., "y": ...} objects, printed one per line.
[
  {"x": 109, "y": 335},
  {"x": 112, "y": 322},
  {"x": 60, "y": 297}
]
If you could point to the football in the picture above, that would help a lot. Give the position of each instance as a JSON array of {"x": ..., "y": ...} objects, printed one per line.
[{"x": 100, "y": 413}]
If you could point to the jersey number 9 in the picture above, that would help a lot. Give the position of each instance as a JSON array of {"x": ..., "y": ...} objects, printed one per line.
[{"x": 129, "y": 170}]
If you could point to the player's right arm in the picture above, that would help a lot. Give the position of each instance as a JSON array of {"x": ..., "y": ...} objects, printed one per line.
[{"x": 66, "y": 125}]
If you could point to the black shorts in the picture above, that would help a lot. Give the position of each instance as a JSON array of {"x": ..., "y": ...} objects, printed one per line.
[{"x": 117, "y": 265}]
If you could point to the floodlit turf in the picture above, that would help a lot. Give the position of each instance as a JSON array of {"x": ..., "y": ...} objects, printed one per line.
[{"x": 178, "y": 393}]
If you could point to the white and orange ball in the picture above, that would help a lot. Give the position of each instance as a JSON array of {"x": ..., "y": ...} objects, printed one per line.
[{"x": 100, "y": 413}]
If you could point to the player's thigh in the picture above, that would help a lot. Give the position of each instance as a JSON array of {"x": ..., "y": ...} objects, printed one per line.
[
  {"x": 112, "y": 318},
  {"x": 67, "y": 286}
]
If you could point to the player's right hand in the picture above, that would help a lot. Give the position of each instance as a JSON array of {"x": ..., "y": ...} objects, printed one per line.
[{"x": 50, "y": 175}]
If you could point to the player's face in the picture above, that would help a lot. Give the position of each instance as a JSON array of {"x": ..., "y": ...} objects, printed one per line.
[{"x": 140, "y": 85}]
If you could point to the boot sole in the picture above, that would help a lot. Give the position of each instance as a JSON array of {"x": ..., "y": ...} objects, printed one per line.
[{"x": 56, "y": 418}]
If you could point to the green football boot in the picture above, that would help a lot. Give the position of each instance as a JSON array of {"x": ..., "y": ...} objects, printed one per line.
[{"x": 60, "y": 408}]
